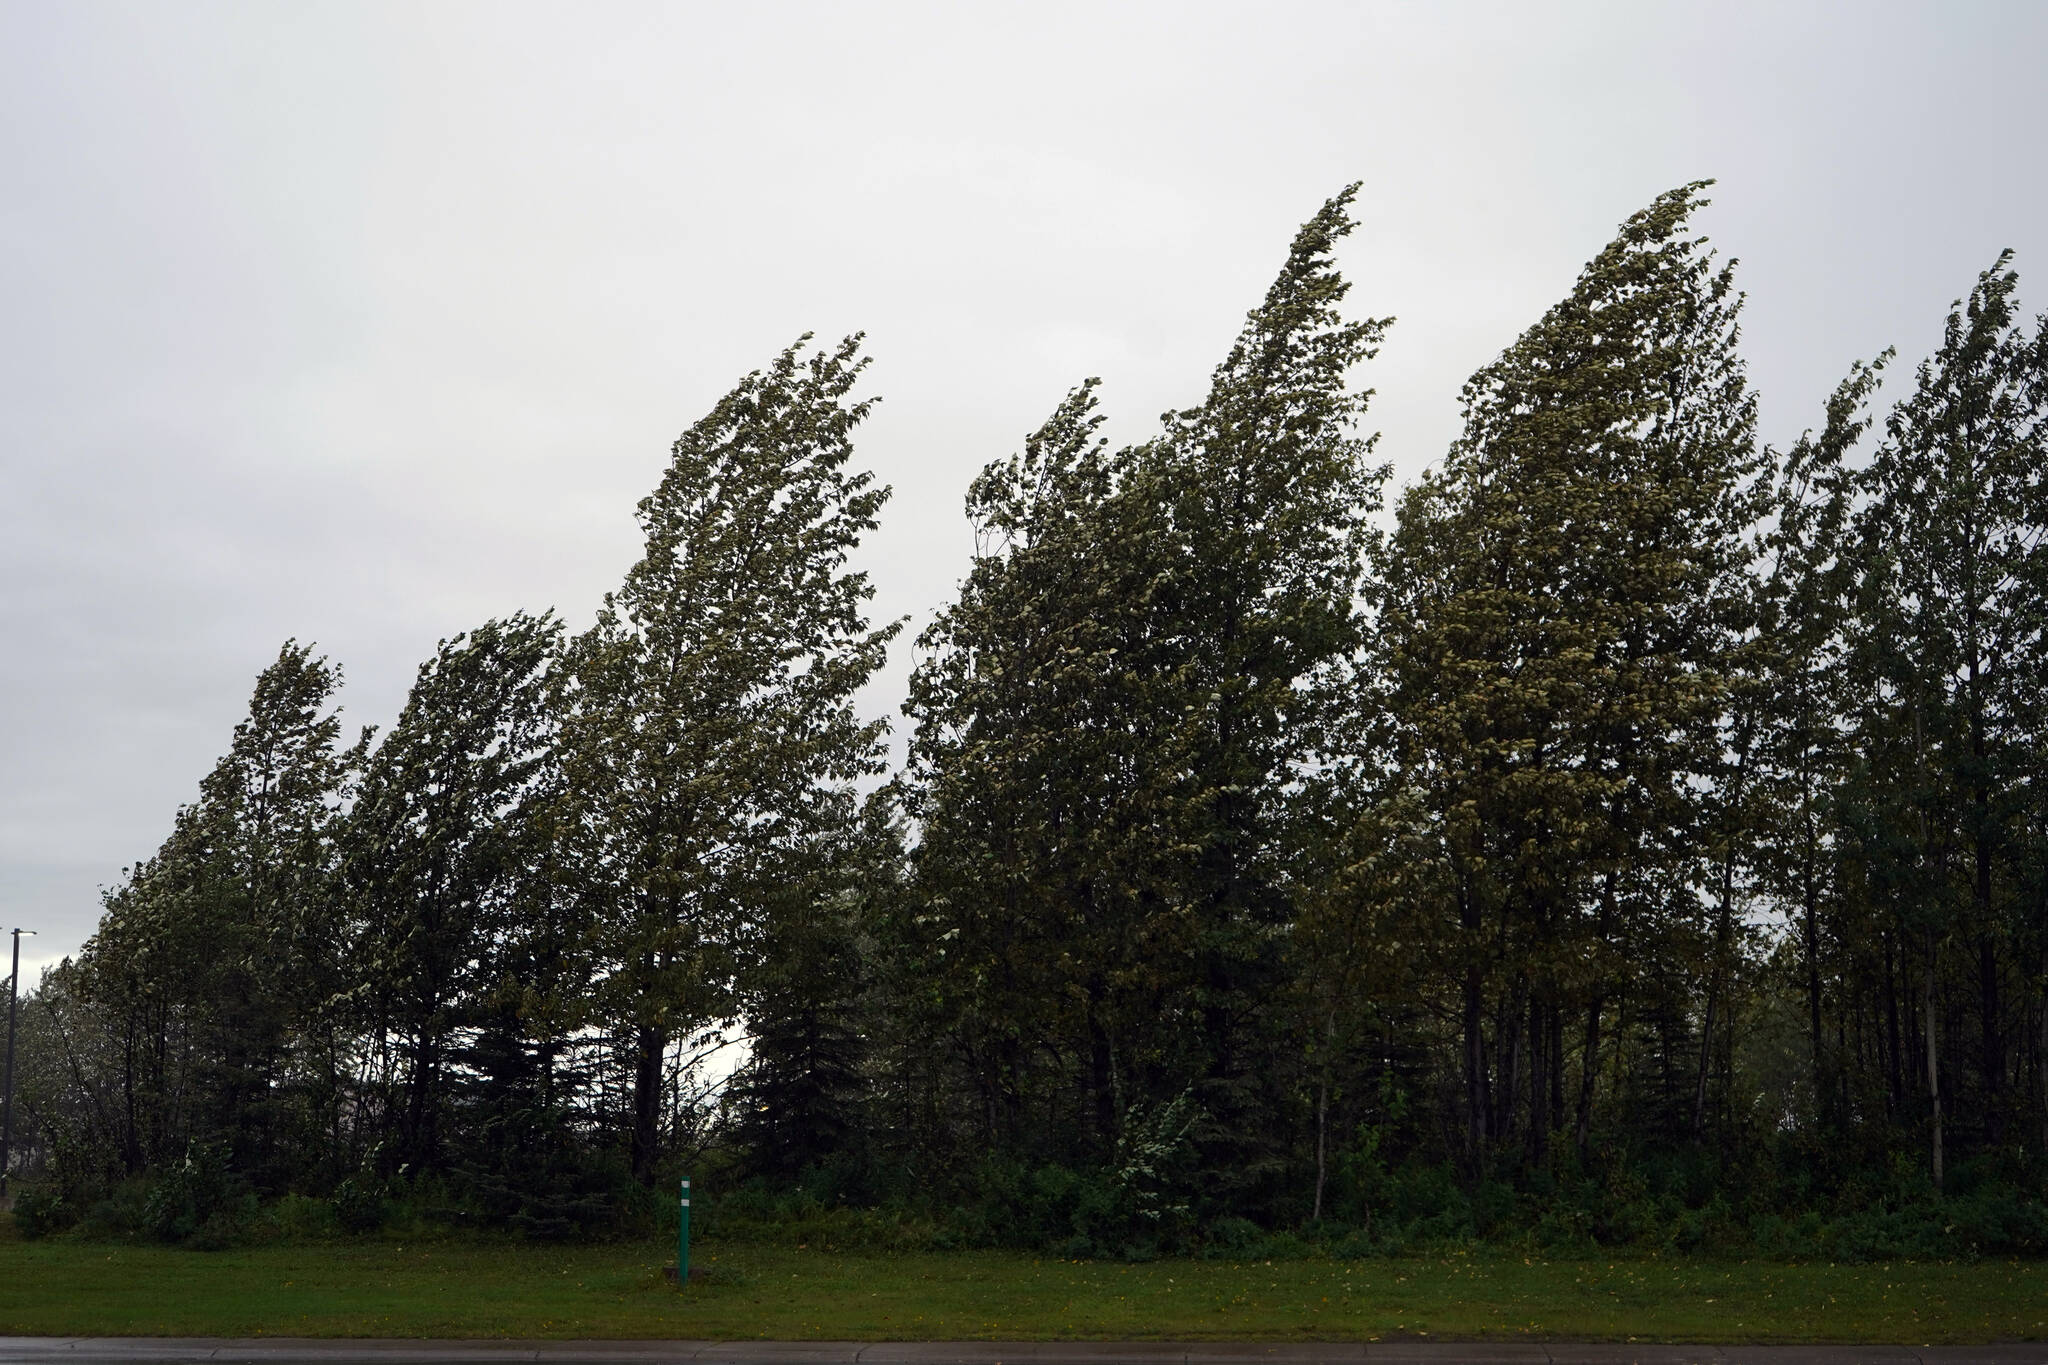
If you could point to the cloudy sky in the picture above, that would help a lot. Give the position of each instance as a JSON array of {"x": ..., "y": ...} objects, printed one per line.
[{"x": 360, "y": 323}]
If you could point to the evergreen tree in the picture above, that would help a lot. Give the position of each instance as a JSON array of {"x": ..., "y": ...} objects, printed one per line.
[{"x": 801, "y": 1102}]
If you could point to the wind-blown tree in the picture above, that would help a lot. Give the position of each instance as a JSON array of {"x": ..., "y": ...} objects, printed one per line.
[
  {"x": 435, "y": 850},
  {"x": 1793, "y": 701},
  {"x": 1268, "y": 492},
  {"x": 1028, "y": 780},
  {"x": 1357, "y": 971},
  {"x": 525, "y": 1127},
  {"x": 1114, "y": 721},
  {"x": 711, "y": 707},
  {"x": 223, "y": 953},
  {"x": 1952, "y": 610},
  {"x": 1565, "y": 595}
]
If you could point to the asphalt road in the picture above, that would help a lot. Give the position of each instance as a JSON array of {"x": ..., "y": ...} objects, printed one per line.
[{"x": 282, "y": 1351}]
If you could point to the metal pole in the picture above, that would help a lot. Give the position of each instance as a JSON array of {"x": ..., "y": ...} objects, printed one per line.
[
  {"x": 683, "y": 1240},
  {"x": 7, "y": 1116}
]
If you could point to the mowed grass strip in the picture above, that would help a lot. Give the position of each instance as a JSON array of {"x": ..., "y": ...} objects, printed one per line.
[{"x": 473, "y": 1289}]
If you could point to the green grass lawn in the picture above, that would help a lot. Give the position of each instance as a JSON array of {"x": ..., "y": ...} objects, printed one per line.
[{"x": 476, "y": 1289}]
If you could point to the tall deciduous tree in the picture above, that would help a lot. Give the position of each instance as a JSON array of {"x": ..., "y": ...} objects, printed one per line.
[
  {"x": 1564, "y": 595},
  {"x": 1031, "y": 783},
  {"x": 1799, "y": 690},
  {"x": 712, "y": 701},
  {"x": 1268, "y": 491},
  {"x": 1953, "y": 606},
  {"x": 1116, "y": 716},
  {"x": 436, "y": 846},
  {"x": 228, "y": 943}
]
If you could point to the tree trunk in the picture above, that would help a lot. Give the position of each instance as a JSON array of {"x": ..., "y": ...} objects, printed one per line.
[
  {"x": 650, "y": 1041},
  {"x": 131, "y": 1142},
  {"x": 419, "y": 1140},
  {"x": 1539, "y": 1082},
  {"x": 1508, "y": 1090},
  {"x": 1717, "y": 983},
  {"x": 1554, "y": 1030},
  {"x": 1933, "y": 1064},
  {"x": 1477, "y": 1100},
  {"x": 1699, "y": 1085},
  {"x": 1809, "y": 891},
  {"x": 1322, "y": 1140},
  {"x": 1101, "y": 1077},
  {"x": 1588, "y": 1077},
  {"x": 1896, "y": 1040},
  {"x": 2041, "y": 1064},
  {"x": 1993, "y": 1043},
  {"x": 1992, "y": 1059},
  {"x": 2041, "y": 1033}
]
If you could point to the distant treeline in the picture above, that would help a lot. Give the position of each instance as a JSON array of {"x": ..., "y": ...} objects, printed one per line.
[{"x": 1641, "y": 835}]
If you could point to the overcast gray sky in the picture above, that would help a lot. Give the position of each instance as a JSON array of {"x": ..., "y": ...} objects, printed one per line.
[{"x": 360, "y": 323}]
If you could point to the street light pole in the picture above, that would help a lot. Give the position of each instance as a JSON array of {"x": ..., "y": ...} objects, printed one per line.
[{"x": 7, "y": 1106}]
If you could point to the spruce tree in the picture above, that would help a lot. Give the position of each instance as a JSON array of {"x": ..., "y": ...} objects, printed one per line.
[{"x": 801, "y": 1102}]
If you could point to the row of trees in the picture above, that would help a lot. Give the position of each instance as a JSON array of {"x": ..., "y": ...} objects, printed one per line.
[{"x": 1646, "y": 792}]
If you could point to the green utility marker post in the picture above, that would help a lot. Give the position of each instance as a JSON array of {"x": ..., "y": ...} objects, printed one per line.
[{"x": 683, "y": 1239}]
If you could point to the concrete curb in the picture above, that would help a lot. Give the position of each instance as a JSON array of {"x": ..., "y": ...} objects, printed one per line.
[{"x": 330, "y": 1351}]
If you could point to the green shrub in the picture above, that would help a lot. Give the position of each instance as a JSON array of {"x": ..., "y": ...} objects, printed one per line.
[
  {"x": 1564, "y": 1227},
  {"x": 297, "y": 1217},
  {"x": 1283, "y": 1246},
  {"x": 225, "y": 1228},
  {"x": 1996, "y": 1218},
  {"x": 119, "y": 1216},
  {"x": 40, "y": 1210},
  {"x": 358, "y": 1204},
  {"x": 1232, "y": 1239},
  {"x": 196, "y": 1192},
  {"x": 1710, "y": 1229}
]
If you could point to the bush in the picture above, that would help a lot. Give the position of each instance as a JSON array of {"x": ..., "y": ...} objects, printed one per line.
[
  {"x": 299, "y": 1218},
  {"x": 1232, "y": 1239},
  {"x": 119, "y": 1216},
  {"x": 1997, "y": 1219},
  {"x": 199, "y": 1192},
  {"x": 1564, "y": 1227},
  {"x": 358, "y": 1205},
  {"x": 1711, "y": 1229},
  {"x": 41, "y": 1210}
]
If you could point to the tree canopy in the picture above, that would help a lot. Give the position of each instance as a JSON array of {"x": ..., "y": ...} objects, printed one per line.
[{"x": 1634, "y": 833}]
